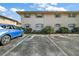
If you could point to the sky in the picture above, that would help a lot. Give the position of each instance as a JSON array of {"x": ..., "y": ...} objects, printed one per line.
[{"x": 9, "y": 9}]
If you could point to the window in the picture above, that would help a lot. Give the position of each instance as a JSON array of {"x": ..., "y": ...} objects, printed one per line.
[
  {"x": 39, "y": 26},
  {"x": 72, "y": 15},
  {"x": 3, "y": 26},
  {"x": 15, "y": 27},
  {"x": 71, "y": 25},
  {"x": 27, "y": 15},
  {"x": 39, "y": 15},
  {"x": 9, "y": 27},
  {"x": 57, "y": 15},
  {"x": 57, "y": 25},
  {"x": 27, "y": 25}
]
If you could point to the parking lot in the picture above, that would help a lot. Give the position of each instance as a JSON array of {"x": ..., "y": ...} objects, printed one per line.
[{"x": 43, "y": 45}]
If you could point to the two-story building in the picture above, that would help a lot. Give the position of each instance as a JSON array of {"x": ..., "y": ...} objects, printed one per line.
[
  {"x": 6, "y": 20},
  {"x": 37, "y": 20}
]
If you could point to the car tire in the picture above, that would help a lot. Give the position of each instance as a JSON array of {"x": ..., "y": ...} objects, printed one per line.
[
  {"x": 5, "y": 39},
  {"x": 21, "y": 36}
]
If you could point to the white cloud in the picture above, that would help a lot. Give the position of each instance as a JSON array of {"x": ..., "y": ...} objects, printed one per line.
[
  {"x": 40, "y": 9},
  {"x": 52, "y": 8},
  {"x": 43, "y": 5},
  {"x": 2, "y": 9},
  {"x": 48, "y": 7},
  {"x": 16, "y": 9},
  {"x": 54, "y": 3}
]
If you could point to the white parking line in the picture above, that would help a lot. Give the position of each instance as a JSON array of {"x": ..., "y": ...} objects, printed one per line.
[
  {"x": 61, "y": 36},
  {"x": 58, "y": 46},
  {"x": 65, "y": 47},
  {"x": 17, "y": 45},
  {"x": 65, "y": 37}
]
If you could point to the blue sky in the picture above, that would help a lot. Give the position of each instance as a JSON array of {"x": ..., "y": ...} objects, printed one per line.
[{"x": 9, "y": 9}]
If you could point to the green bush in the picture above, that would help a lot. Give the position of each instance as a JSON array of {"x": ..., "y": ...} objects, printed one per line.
[
  {"x": 36, "y": 32},
  {"x": 75, "y": 30},
  {"x": 47, "y": 30},
  {"x": 28, "y": 30},
  {"x": 64, "y": 30}
]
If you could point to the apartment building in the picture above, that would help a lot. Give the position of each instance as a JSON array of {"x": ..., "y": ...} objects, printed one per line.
[
  {"x": 37, "y": 20},
  {"x": 6, "y": 20}
]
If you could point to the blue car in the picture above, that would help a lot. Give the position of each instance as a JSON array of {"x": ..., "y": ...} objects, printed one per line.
[{"x": 8, "y": 32}]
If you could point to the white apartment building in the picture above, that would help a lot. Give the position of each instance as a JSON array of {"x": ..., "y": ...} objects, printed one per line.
[{"x": 37, "y": 20}]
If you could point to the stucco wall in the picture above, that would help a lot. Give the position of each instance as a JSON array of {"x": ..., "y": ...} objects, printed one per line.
[
  {"x": 6, "y": 21},
  {"x": 51, "y": 20}
]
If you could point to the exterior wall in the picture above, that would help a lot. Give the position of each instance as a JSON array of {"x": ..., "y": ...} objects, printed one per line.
[
  {"x": 32, "y": 20},
  {"x": 51, "y": 20},
  {"x": 6, "y": 21}
]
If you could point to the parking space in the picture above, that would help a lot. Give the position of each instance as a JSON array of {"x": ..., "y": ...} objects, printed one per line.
[
  {"x": 43, "y": 45},
  {"x": 8, "y": 46},
  {"x": 39, "y": 45},
  {"x": 69, "y": 43}
]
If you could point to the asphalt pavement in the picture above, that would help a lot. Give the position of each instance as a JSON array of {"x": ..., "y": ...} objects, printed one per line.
[
  {"x": 43, "y": 45},
  {"x": 36, "y": 46}
]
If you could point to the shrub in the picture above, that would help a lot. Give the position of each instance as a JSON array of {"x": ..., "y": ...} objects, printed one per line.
[
  {"x": 36, "y": 32},
  {"x": 57, "y": 31},
  {"x": 28, "y": 30},
  {"x": 64, "y": 30},
  {"x": 75, "y": 30},
  {"x": 47, "y": 30}
]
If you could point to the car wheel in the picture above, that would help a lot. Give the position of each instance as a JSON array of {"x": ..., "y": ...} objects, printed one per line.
[
  {"x": 5, "y": 39},
  {"x": 21, "y": 36}
]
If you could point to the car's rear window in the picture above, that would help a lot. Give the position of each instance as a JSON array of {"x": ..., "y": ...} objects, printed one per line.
[
  {"x": 6, "y": 26},
  {"x": 3, "y": 26},
  {"x": 9, "y": 27}
]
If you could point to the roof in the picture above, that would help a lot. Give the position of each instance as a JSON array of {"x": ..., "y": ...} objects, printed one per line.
[
  {"x": 46, "y": 12},
  {"x": 8, "y": 18}
]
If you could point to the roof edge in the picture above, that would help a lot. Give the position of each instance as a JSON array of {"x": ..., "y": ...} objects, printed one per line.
[
  {"x": 8, "y": 18},
  {"x": 24, "y": 12}
]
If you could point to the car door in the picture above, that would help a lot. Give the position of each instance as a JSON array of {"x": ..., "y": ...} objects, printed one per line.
[
  {"x": 11, "y": 30},
  {"x": 18, "y": 32}
]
